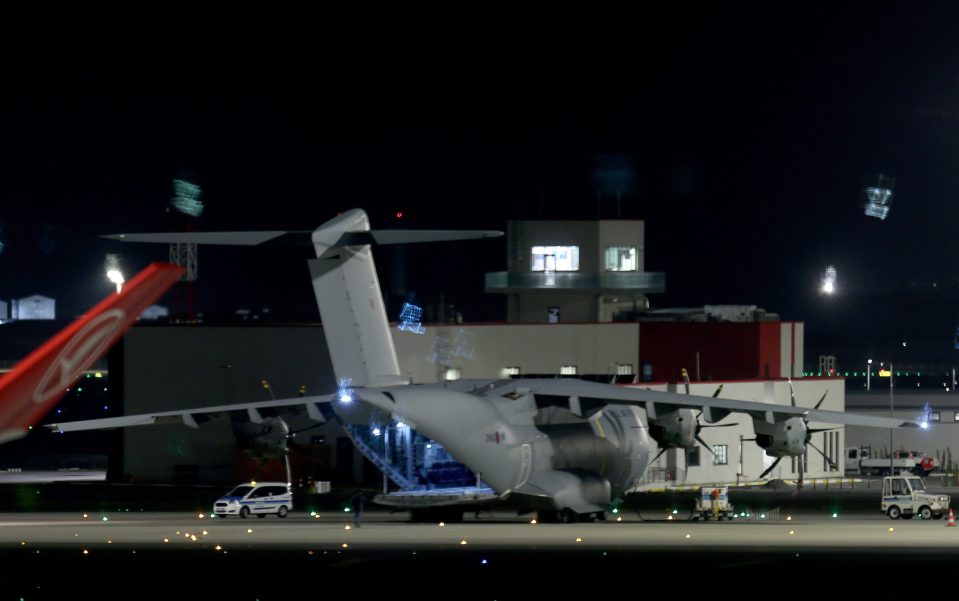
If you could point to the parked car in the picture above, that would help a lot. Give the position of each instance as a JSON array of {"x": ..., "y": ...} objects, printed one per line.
[{"x": 258, "y": 498}]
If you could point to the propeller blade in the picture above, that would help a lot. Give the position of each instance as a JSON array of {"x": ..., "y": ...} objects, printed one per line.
[
  {"x": 686, "y": 379},
  {"x": 821, "y": 400},
  {"x": 685, "y": 463},
  {"x": 814, "y": 430},
  {"x": 703, "y": 442},
  {"x": 718, "y": 390},
  {"x": 792, "y": 393},
  {"x": 717, "y": 425},
  {"x": 295, "y": 432},
  {"x": 661, "y": 451},
  {"x": 770, "y": 468},
  {"x": 802, "y": 468},
  {"x": 831, "y": 462}
]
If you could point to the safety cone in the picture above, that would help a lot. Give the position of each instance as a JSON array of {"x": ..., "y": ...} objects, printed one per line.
[{"x": 952, "y": 519}]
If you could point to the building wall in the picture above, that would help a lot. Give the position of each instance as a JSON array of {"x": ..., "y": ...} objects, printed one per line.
[
  {"x": 34, "y": 307},
  {"x": 791, "y": 342},
  {"x": 726, "y": 350},
  {"x": 533, "y": 307},
  {"x": 167, "y": 368},
  {"x": 485, "y": 351},
  {"x": 906, "y": 405}
]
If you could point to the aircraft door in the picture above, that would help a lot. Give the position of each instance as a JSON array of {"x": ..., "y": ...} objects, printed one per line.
[{"x": 526, "y": 464}]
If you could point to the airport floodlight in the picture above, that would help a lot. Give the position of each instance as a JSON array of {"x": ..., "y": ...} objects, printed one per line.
[
  {"x": 113, "y": 271},
  {"x": 829, "y": 281}
]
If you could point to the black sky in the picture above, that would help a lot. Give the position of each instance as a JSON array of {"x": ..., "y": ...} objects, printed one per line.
[{"x": 748, "y": 133}]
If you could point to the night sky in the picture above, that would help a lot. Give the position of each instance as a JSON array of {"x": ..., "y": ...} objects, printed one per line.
[{"x": 743, "y": 136}]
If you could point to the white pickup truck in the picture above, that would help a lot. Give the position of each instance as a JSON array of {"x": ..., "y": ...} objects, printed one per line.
[{"x": 906, "y": 496}]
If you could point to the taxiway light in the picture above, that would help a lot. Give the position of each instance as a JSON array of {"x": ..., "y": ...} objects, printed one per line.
[
  {"x": 249, "y": 530},
  {"x": 441, "y": 524},
  {"x": 347, "y": 527},
  {"x": 533, "y": 522},
  {"x": 463, "y": 542},
  {"x": 835, "y": 514},
  {"x": 689, "y": 535},
  {"x": 579, "y": 540},
  {"x": 792, "y": 532},
  {"x": 619, "y": 519},
  {"x": 345, "y": 546}
]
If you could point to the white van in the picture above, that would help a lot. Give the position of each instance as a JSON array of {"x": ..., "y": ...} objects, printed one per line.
[{"x": 259, "y": 498}]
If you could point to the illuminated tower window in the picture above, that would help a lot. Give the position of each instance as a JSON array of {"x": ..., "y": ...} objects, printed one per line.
[
  {"x": 567, "y": 370},
  {"x": 621, "y": 258},
  {"x": 555, "y": 258}
]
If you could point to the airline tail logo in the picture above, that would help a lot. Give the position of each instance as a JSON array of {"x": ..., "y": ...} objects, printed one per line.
[{"x": 83, "y": 349}]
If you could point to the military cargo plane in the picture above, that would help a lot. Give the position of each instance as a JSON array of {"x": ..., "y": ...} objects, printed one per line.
[{"x": 566, "y": 448}]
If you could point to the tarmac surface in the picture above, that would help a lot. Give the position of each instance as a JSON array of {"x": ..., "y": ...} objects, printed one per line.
[{"x": 789, "y": 546}]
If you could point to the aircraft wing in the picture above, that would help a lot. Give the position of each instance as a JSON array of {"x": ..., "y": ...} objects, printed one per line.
[
  {"x": 315, "y": 407},
  {"x": 35, "y": 384},
  {"x": 590, "y": 396}
]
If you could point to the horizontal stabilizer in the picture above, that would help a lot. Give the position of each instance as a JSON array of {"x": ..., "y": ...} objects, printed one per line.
[
  {"x": 217, "y": 238},
  {"x": 302, "y": 238}
]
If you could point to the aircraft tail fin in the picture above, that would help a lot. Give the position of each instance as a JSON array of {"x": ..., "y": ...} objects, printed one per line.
[
  {"x": 351, "y": 304},
  {"x": 37, "y": 382},
  {"x": 349, "y": 297}
]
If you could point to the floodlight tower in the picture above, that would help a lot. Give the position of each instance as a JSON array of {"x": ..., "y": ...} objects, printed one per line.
[{"x": 186, "y": 201}]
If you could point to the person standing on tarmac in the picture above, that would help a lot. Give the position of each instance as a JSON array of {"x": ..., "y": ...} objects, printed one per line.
[{"x": 357, "y": 501}]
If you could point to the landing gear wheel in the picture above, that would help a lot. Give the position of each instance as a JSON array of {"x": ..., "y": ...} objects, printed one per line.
[{"x": 244, "y": 512}]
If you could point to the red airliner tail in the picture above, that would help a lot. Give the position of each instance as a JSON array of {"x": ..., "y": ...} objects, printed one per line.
[{"x": 37, "y": 382}]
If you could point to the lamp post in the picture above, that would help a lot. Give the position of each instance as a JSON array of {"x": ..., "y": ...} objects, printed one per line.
[
  {"x": 868, "y": 372},
  {"x": 892, "y": 375}
]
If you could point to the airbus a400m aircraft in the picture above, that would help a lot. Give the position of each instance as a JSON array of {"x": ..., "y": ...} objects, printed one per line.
[{"x": 567, "y": 448}]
